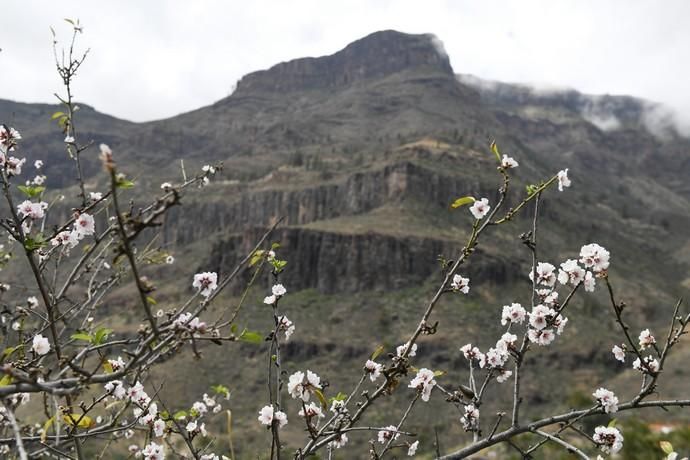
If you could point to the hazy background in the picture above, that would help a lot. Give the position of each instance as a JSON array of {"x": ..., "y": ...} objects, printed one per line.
[{"x": 154, "y": 59}]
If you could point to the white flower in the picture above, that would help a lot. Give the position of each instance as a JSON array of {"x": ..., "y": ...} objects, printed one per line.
[
  {"x": 39, "y": 180},
  {"x": 412, "y": 449},
  {"x": 116, "y": 389},
  {"x": 563, "y": 180},
  {"x": 546, "y": 274},
  {"x": 506, "y": 342},
  {"x": 281, "y": 418},
  {"x": 513, "y": 313},
  {"x": 95, "y": 196},
  {"x": 16, "y": 326},
  {"x": 373, "y": 369},
  {"x": 648, "y": 365},
  {"x": 199, "y": 407},
  {"x": 158, "y": 428},
  {"x": 646, "y": 339},
  {"x": 67, "y": 239},
  {"x": 339, "y": 441},
  {"x": 301, "y": 389},
  {"x": 618, "y": 353},
  {"x": 460, "y": 284},
  {"x": 117, "y": 364},
  {"x": 205, "y": 282},
  {"x": 472, "y": 353},
  {"x": 540, "y": 316},
  {"x": 278, "y": 290},
  {"x": 84, "y": 225},
  {"x": 311, "y": 410},
  {"x": 40, "y": 345},
  {"x": 504, "y": 375},
  {"x": 389, "y": 432},
  {"x": 166, "y": 186},
  {"x": 508, "y": 162},
  {"x": 32, "y": 302},
  {"x": 571, "y": 272},
  {"x": 471, "y": 417},
  {"x": 266, "y": 415},
  {"x": 270, "y": 300},
  {"x": 208, "y": 169},
  {"x": 32, "y": 210},
  {"x": 153, "y": 451},
  {"x": 14, "y": 165},
  {"x": 480, "y": 208},
  {"x": 69, "y": 140},
  {"x": 285, "y": 325},
  {"x": 610, "y": 440},
  {"x": 38, "y": 164},
  {"x": 541, "y": 337},
  {"x": 496, "y": 358},
  {"x": 607, "y": 399},
  {"x": 412, "y": 352},
  {"x": 423, "y": 382},
  {"x": 191, "y": 427},
  {"x": 594, "y": 257}
]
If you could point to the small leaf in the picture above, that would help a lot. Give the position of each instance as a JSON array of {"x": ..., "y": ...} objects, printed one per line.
[
  {"x": 102, "y": 334},
  {"x": 6, "y": 380},
  {"x": 233, "y": 328},
  {"x": 107, "y": 367},
  {"x": 339, "y": 397},
  {"x": 462, "y": 202},
  {"x": 251, "y": 337},
  {"x": 125, "y": 184},
  {"x": 377, "y": 352},
  {"x": 612, "y": 423},
  {"x": 322, "y": 398},
  {"x": 256, "y": 257},
  {"x": 82, "y": 421},
  {"x": 439, "y": 373},
  {"x": 151, "y": 300},
  {"x": 221, "y": 390},
  {"x": 46, "y": 427},
  {"x": 666, "y": 447},
  {"x": 57, "y": 115},
  {"x": 275, "y": 246},
  {"x": 82, "y": 336},
  {"x": 494, "y": 148},
  {"x": 180, "y": 414},
  {"x": 9, "y": 350}
]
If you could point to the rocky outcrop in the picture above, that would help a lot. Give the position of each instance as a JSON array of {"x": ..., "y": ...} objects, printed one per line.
[{"x": 374, "y": 56}]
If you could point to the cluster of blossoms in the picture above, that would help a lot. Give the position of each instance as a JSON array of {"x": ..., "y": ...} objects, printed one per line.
[
  {"x": 301, "y": 386},
  {"x": 470, "y": 419},
  {"x": 267, "y": 416},
  {"x": 412, "y": 352},
  {"x": 340, "y": 414},
  {"x": 388, "y": 433},
  {"x": 205, "y": 283},
  {"x": 185, "y": 322},
  {"x": 609, "y": 439},
  {"x": 84, "y": 225},
  {"x": 8, "y": 141},
  {"x": 424, "y": 382},
  {"x": 277, "y": 291},
  {"x": 648, "y": 365},
  {"x": 286, "y": 326},
  {"x": 311, "y": 411},
  {"x": 607, "y": 399}
]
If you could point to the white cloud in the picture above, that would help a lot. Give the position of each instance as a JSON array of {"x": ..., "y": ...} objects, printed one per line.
[{"x": 157, "y": 58}]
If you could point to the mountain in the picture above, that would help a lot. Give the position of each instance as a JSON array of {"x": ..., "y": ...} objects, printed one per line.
[{"x": 362, "y": 151}]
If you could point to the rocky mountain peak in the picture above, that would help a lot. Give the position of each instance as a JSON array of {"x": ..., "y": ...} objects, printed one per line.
[{"x": 377, "y": 55}]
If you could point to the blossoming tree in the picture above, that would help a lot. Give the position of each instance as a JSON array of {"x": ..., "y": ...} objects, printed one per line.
[{"x": 93, "y": 384}]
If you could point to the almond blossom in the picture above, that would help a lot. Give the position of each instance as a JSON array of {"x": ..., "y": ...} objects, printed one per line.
[
  {"x": 205, "y": 282},
  {"x": 40, "y": 345},
  {"x": 546, "y": 274},
  {"x": 373, "y": 369},
  {"x": 267, "y": 416},
  {"x": 571, "y": 272},
  {"x": 84, "y": 225},
  {"x": 513, "y": 313},
  {"x": 607, "y": 399},
  {"x": 594, "y": 257},
  {"x": 424, "y": 382},
  {"x": 153, "y": 451},
  {"x": 301, "y": 388},
  {"x": 460, "y": 284},
  {"x": 508, "y": 162},
  {"x": 339, "y": 441},
  {"x": 412, "y": 449},
  {"x": 28, "y": 209},
  {"x": 646, "y": 339},
  {"x": 471, "y": 418},
  {"x": 563, "y": 180},
  {"x": 473, "y": 354},
  {"x": 618, "y": 353},
  {"x": 648, "y": 365},
  {"x": 480, "y": 208},
  {"x": 401, "y": 349},
  {"x": 311, "y": 410},
  {"x": 610, "y": 440},
  {"x": 388, "y": 433},
  {"x": 286, "y": 326}
]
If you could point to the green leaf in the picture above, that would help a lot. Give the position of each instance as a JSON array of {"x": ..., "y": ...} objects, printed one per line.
[
  {"x": 9, "y": 350},
  {"x": 531, "y": 189},
  {"x": 221, "y": 390},
  {"x": 82, "y": 336},
  {"x": 439, "y": 373},
  {"x": 125, "y": 184},
  {"x": 102, "y": 334},
  {"x": 612, "y": 423},
  {"x": 322, "y": 398},
  {"x": 151, "y": 300},
  {"x": 57, "y": 115},
  {"x": 233, "y": 328},
  {"x": 107, "y": 367},
  {"x": 377, "y": 352},
  {"x": 462, "y": 202},
  {"x": 256, "y": 257},
  {"x": 180, "y": 414},
  {"x": 251, "y": 337},
  {"x": 339, "y": 397},
  {"x": 82, "y": 421},
  {"x": 494, "y": 148},
  {"x": 278, "y": 265},
  {"x": 46, "y": 427},
  {"x": 666, "y": 447},
  {"x": 37, "y": 242},
  {"x": 275, "y": 246},
  {"x": 6, "y": 380}
]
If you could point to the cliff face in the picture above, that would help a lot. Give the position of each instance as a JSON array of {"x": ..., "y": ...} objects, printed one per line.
[{"x": 340, "y": 262}]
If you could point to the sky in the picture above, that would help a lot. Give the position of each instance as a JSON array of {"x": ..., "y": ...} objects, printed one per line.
[{"x": 154, "y": 59}]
